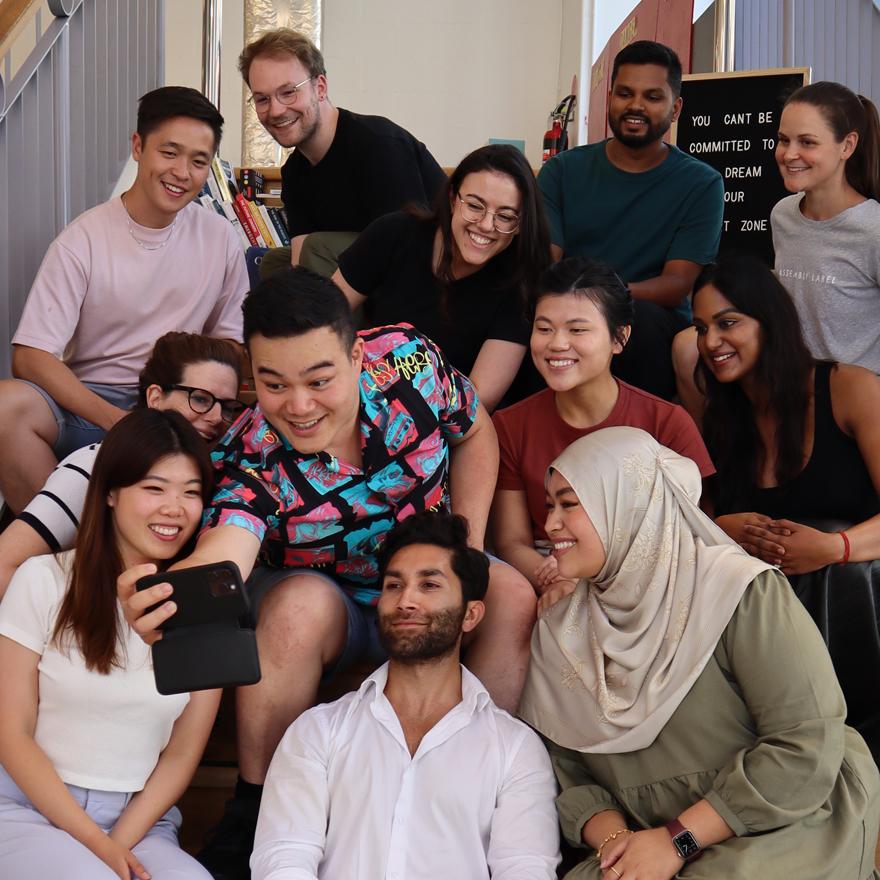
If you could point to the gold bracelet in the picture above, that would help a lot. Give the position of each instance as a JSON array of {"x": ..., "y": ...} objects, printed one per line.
[{"x": 613, "y": 836}]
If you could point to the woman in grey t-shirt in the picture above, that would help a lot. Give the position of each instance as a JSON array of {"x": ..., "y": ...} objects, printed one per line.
[{"x": 827, "y": 236}]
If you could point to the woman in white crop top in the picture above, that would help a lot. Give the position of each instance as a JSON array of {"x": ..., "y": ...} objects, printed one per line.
[{"x": 93, "y": 757}]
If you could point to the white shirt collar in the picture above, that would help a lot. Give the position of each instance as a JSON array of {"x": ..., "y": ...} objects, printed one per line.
[{"x": 474, "y": 696}]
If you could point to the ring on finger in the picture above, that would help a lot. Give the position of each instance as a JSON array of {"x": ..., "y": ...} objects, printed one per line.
[{"x": 615, "y": 870}]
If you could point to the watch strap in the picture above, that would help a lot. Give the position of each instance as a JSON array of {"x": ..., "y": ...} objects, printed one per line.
[{"x": 675, "y": 828}]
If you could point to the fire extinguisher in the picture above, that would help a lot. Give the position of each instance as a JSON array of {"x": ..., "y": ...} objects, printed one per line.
[
  {"x": 556, "y": 137},
  {"x": 552, "y": 137}
]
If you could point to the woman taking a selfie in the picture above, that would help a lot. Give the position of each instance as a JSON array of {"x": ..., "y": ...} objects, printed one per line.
[
  {"x": 695, "y": 722},
  {"x": 93, "y": 758}
]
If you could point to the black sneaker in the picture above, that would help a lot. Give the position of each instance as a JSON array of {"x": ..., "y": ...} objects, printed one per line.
[{"x": 228, "y": 852}]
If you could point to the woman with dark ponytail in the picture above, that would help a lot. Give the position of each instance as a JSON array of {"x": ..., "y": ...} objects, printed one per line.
[{"x": 827, "y": 235}]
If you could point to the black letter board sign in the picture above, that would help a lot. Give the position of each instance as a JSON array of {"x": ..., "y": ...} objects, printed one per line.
[{"x": 730, "y": 121}]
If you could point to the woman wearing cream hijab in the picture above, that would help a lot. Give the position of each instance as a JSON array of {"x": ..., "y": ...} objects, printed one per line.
[{"x": 692, "y": 712}]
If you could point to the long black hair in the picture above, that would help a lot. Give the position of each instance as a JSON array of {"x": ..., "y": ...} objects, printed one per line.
[
  {"x": 132, "y": 446},
  {"x": 783, "y": 370},
  {"x": 529, "y": 252}
]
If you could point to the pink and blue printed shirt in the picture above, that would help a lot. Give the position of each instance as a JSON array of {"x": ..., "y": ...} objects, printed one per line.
[{"x": 316, "y": 511}]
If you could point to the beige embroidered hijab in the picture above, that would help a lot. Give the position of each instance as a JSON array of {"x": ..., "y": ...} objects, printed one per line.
[{"x": 610, "y": 665}]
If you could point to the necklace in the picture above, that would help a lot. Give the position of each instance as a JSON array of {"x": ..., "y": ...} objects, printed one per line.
[{"x": 147, "y": 246}]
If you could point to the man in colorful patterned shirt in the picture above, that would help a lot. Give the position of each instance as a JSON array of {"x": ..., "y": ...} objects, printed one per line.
[{"x": 352, "y": 433}]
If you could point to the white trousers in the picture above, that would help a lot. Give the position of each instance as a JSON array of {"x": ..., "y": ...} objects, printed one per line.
[{"x": 32, "y": 848}]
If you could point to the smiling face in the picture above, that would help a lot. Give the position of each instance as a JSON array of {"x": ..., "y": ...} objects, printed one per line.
[
  {"x": 808, "y": 154},
  {"x": 641, "y": 106},
  {"x": 571, "y": 344},
  {"x": 577, "y": 546},
  {"x": 291, "y": 126},
  {"x": 477, "y": 242},
  {"x": 728, "y": 340},
  {"x": 215, "y": 378},
  {"x": 155, "y": 517},
  {"x": 307, "y": 387},
  {"x": 421, "y": 612},
  {"x": 173, "y": 164}
]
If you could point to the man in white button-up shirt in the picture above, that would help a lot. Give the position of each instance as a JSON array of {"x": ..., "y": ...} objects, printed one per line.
[{"x": 417, "y": 775}]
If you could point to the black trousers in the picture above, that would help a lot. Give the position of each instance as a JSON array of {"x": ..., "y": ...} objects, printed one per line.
[{"x": 646, "y": 360}]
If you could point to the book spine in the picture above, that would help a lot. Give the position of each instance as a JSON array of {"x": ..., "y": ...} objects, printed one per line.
[
  {"x": 270, "y": 226},
  {"x": 229, "y": 211},
  {"x": 275, "y": 217},
  {"x": 228, "y": 175},
  {"x": 220, "y": 179},
  {"x": 254, "y": 209},
  {"x": 239, "y": 204},
  {"x": 214, "y": 188}
]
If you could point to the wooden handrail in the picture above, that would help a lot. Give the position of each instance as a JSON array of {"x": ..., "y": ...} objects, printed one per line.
[{"x": 12, "y": 15}]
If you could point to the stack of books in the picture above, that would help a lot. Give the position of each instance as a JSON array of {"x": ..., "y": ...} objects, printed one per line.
[{"x": 255, "y": 223}]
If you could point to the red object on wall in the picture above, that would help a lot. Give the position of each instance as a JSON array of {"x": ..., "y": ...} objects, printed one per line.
[
  {"x": 552, "y": 137},
  {"x": 667, "y": 21}
]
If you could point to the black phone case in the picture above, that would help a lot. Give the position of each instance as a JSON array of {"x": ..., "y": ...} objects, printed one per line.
[
  {"x": 197, "y": 596},
  {"x": 206, "y": 656},
  {"x": 203, "y": 645}
]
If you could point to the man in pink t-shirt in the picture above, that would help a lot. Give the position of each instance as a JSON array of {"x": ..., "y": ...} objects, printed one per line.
[{"x": 118, "y": 277}]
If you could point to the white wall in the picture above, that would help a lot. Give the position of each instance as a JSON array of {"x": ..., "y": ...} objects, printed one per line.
[
  {"x": 183, "y": 61},
  {"x": 454, "y": 73}
]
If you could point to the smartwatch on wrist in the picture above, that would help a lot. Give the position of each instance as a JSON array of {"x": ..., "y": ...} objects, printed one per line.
[{"x": 684, "y": 842}]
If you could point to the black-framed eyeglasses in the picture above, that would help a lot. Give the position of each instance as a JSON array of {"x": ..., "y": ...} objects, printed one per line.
[
  {"x": 286, "y": 95},
  {"x": 201, "y": 402},
  {"x": 505, "y": 222}
]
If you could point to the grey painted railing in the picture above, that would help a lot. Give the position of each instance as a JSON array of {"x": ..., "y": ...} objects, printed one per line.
[{"x": 66, "y": 114}]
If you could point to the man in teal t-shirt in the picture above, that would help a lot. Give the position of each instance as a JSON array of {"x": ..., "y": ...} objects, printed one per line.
[{"x": 643, "y": 206}]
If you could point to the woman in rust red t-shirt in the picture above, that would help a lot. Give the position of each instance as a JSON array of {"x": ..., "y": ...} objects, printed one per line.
[{"x": 583, "y": 316}]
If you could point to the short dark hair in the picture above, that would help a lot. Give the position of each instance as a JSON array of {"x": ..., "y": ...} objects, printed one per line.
[
  {"x": 446, "y": 530},
  {"x": 175, "y": 351},
  {"x": 650, "y": 52},
  {"x": 295, "y": 301},
  {"x": 170, "y": 101},
  {"x": 597, "y": 282}
]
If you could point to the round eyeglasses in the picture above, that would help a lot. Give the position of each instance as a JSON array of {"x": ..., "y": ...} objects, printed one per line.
[
  {"x": 285, "y": 95},
  {"x": 201, "y": 402},
  {"x": 505, "y": 222}
]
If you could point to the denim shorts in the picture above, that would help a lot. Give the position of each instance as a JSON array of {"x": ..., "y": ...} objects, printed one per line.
[
  {"x": 362, "y": 640},
  {"x": 74, "y": 432}
]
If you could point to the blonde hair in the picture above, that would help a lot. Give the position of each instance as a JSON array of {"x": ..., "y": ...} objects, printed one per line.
[{"x": 278, "y": 44}]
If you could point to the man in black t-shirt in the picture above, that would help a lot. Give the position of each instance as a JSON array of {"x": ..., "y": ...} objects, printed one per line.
[{"x": 347, "y": 169}]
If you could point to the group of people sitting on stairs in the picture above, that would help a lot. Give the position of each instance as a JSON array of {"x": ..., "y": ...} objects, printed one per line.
[{"x": 680, "y": 605}]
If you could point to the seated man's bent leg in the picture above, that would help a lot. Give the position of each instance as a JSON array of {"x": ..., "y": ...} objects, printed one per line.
[
  {"x": 274, "y": 260},
  {"x": 646, "y": 360},
  {"x": 28, "y": 431},
  {"x": 320, "y": 251},
  {"x": 498, "y": 653},
  {"x": 302, "y": 627}
]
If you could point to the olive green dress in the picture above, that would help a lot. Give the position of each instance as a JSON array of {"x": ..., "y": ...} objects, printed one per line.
[{"x": 761, "y": 737}]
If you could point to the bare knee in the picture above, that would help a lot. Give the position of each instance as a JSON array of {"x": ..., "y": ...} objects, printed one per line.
[
  {"x": 302, "y": 614},
  {"x": 23, "y": 409}
]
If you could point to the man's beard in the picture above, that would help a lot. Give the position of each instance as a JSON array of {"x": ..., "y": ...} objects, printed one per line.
[
  {"x": 650, "y": 135},
  {"x": 437, "y": 639}
]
